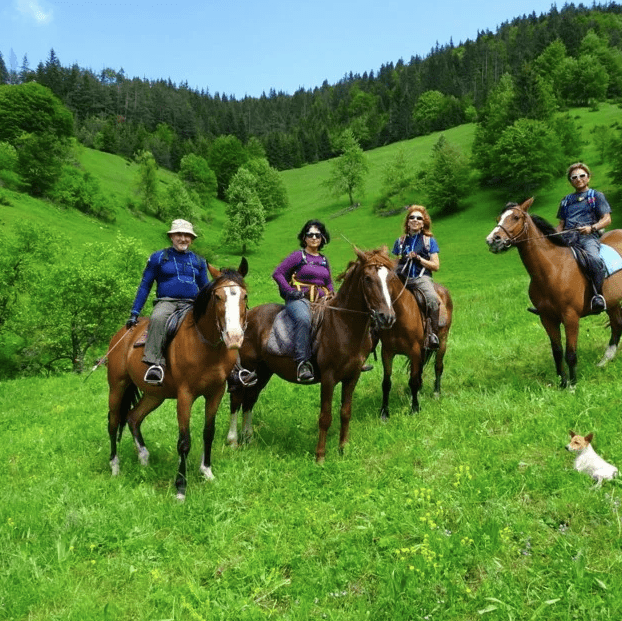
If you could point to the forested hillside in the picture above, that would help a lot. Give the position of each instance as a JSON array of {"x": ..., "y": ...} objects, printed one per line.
[{"x": 566, "y": 57}]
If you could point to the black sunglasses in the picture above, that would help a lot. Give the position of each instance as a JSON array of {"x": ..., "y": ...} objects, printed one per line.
[
  {"x": 415, "y": 218},
  {"x": 316, "y": 235}
]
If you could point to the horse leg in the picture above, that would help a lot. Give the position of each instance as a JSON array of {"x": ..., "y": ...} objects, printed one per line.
[
  {"x": 120, "y": 401},
  {"x": 145, "y": 406},
  {"x": 572, "y": 334},
  {"x": 387, "y": 366},
  {"x": 184, "y": 407},
  {"x": 246, "y": 399},
  {"x": 415, "y": 381},
  {"x": 439, "y": 365},
  {"x": 615, "y": 321},
  {"x": 347, "y": 390},
  {"x": 552, "y": 328},
  {"x": 326, "y": 417},
  {"x": 211, "y": 407}
]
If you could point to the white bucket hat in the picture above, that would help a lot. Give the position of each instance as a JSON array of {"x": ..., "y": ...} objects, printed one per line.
[{"x": 182, "y": 226}]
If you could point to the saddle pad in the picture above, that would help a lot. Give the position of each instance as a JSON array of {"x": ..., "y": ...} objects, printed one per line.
[
  {"x": 613, "y": 261},
  {"x": 281, "y": 337},
  {"x": 141, "y": 340}
]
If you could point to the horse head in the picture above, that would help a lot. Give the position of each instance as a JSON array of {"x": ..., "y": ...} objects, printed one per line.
[
  {"x": 511, "y": 227},
  {"x": 226, "y": 298},
  {"x": 375, "y": 268}
]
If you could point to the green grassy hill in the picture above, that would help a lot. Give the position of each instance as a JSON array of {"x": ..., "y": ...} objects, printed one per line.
[{"x": 461, "y": 237}]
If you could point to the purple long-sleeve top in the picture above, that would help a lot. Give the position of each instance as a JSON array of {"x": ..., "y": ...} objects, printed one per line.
[{"x": 309, "y": 269}]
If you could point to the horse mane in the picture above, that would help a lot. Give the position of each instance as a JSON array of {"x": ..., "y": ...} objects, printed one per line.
[
  {"x": 199, "y": 307},
  {"x": 549, "y": 231},
  {"x": 377, "y": 255}
]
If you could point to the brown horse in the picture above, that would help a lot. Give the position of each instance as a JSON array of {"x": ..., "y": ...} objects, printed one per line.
[
  {"x": 199, "y": 359},
  {"x": 343, "y": 342},
  {"x": 406, "y": 337},
  {"x": 558, "y": 289}
]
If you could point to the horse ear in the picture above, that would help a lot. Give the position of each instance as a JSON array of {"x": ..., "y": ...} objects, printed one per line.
[
  {"x": 359, "y": 253},
  {"x": 527, "y": 204},
  {"x": 213, "y": 271},
  {"x": 243, "y": 269}
]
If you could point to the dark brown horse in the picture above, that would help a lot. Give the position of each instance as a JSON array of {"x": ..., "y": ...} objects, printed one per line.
[
  {"x": 558, "y": 289},
  {"x": 406, "y": 337},
  {"x": 198, "y": 361},
  {"x": 343, "y": 343}
]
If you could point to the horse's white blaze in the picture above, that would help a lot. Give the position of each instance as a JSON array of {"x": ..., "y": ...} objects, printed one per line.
[
  {"x": 383, "y": 274},
  {"x": 232, "y": 311},
  {"x": 499, "y": 226}
]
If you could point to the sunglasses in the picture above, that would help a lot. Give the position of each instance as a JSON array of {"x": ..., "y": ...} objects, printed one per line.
[
  {"x": 416, "y": 218},
  {"x": 581, "y": 176},
  {"x": 314, "y": 235}
]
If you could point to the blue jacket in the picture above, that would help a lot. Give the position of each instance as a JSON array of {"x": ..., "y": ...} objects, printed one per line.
[{"x": 179, "y": 275}]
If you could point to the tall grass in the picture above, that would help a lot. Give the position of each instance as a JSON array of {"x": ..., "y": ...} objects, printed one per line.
[{"x": 467, "y": 510}]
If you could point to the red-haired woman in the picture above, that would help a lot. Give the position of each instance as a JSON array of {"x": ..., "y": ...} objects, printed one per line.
[{"x": 418, "y": 252}]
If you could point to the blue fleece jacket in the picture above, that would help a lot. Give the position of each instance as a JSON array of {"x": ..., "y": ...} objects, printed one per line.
[{"x": 178, "y": 275}]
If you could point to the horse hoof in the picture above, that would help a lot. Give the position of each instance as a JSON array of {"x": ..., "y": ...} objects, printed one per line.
[{"x": 207, "y": 473}]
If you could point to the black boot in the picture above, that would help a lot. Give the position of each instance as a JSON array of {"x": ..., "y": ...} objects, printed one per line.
[
  {"x": 431, "y": 333},
  {"x": 304, "y": 373},
  {"x": 598, "y": 303}
]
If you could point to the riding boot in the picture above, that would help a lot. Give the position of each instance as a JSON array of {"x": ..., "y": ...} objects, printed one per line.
[
  {"x": 240, "y": 377},
  {"x": 431, "y": 331},
  {"x": 304, "y": 373},
  {"x": 598, "y": 303}
]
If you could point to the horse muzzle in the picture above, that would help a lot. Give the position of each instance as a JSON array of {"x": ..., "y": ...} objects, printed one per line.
[
  {"x": 497, "y": 244},
  {"x": 383, "y": 321},
  {"x": 233, "y": 339}
]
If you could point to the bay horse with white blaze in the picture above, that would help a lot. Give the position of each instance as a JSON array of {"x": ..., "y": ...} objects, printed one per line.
[
  {"x": 406, "y": 337},
  {"x": 198, "y": 361},
  {"x": 343, "y": 343},
  {"x": 559, "y": 290}
]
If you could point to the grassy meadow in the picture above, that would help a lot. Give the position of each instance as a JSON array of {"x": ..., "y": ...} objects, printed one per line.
[{"x": 468, "y": 510}]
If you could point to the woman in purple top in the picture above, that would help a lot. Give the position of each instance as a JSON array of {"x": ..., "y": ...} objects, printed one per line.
[{"x": 303, "y": 277}]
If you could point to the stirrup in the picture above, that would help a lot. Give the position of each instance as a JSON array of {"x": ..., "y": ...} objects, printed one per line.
[
  {"x": 598, "y": 304},
  {"x": 154, "y": 375},
  {"x": 431, "y": 341},
  {"x": 247, "y": 378},
  {"x": 304, "y": 372}
]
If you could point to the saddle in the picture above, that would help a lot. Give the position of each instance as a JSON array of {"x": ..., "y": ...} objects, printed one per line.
[
  {"x": 423, "y": 307},
  {"x": 172, "y": 325},
  {"x": 281, "y": 338}
]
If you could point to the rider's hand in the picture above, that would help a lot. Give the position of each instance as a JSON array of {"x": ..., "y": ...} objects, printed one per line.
[{"x": 131, "y": 322}]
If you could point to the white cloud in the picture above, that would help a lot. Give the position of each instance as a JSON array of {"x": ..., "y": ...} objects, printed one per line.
[{"x": 33, "y": 9}]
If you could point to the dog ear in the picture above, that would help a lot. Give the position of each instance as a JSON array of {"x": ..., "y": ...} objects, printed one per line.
[
  {"x": 572, "y": 433},
  {"x": 588, "y": 437}
]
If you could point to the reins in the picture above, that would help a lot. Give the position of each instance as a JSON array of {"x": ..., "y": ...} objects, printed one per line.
[{"x": 514, "y": 239}]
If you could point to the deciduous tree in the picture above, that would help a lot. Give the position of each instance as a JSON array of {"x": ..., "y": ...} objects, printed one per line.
[{"x": 348, "y": 171}]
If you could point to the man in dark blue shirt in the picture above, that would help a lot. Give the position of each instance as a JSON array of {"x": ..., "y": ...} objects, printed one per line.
[{"x": 179, "y": 275}]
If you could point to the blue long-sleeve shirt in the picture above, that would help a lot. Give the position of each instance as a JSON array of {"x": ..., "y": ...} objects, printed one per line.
[{"x": 178, "y": 275}]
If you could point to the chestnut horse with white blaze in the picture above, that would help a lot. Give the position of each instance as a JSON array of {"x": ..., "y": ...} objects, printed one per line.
[
  {"x": 343, "y": 343},
  {"x": 198, "y": 361},
  {"x": 559, "y": 290}
]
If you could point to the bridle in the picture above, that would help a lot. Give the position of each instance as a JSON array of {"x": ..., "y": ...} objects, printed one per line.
[
  {"x": 220, "y": 328},
  {"x": 512, "y": 240}
]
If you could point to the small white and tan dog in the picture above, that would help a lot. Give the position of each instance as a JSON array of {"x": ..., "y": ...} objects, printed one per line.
[{"x": 587, "y": 460}]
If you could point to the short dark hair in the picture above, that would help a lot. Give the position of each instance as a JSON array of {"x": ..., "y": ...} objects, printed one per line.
[{"x": 305, "y": 229}]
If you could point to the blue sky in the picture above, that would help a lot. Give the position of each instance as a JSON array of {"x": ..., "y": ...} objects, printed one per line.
[{"x": 245, "y": 47}]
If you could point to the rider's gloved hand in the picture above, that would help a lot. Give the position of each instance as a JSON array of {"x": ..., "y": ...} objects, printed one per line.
[
  {"x": 295, "y": 295},
  {"x": 131, "y": 322}
]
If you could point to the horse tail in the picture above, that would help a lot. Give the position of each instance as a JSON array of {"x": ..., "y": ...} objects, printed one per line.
[{"x": 128, "y": 401}]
